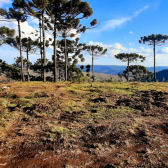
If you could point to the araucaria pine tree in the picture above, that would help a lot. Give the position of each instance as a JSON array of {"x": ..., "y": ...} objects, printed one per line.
[
  {"x": 129, "y": 57},
  {"x": 94, "y": 51},
  {"x": 138, "y": 73},
  {"x": 72, "y": 47},
  {"x": 28, "y": 45},
  {"x": 37, "y": 8},
  {"x": 154, "y": 39},
  {"x": 21, "y": 16},
  {"x": 67, "y": 15}
]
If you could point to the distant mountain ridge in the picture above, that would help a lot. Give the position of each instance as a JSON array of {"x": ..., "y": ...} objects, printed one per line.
[
  {"x": 106, "y": 69},
  {"x": 115, "y": 69},
  {"x": 161, "y": 71},
  {"x": 161, "y": 74}
]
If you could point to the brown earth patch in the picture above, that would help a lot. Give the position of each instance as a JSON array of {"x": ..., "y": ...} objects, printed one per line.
[{"x": 136, "y": 140}]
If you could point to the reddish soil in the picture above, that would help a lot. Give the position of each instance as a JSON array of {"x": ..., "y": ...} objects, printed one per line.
[{"x": 139, "y": 139}]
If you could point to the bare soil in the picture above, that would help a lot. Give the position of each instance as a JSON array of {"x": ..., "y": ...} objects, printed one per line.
[{"x": 111, "y": 129}]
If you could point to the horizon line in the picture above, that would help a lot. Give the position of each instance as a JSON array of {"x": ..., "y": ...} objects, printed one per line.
[{"x": 123, "y": 65}]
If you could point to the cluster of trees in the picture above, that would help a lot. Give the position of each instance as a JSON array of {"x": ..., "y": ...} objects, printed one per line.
[
  {"x": 61, "y": 18},
  {"x": 55, "y": 17},
  {"x": 140, "y": 72}
]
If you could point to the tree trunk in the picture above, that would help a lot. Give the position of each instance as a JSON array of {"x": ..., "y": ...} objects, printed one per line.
[
  {"x": 21, "y": 56},
  {"x": 68, "y": 76},
  {"x": 154, "y": 63},
  {"x": 28, "y": 79},
  {"x": 138, "y": 73},
  {"x": 55, "y": 53},
  {"x": 59, "y": 74},
  {"x": 92, "y": 66},
  {"x": 128, "y": 70},
  {"x": 65, "y": 60},
  {"x": 44, "y": 52},
  {"x": 41, "y": 50}
]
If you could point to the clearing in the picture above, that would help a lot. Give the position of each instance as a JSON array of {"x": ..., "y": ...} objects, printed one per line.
[{"x": 72, "y": 125}]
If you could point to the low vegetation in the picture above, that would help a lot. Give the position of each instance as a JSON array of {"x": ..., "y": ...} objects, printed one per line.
[{"x": 95, "y": 125}]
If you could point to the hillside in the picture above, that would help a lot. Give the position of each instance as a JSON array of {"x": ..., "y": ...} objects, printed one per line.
[
  {"x": 105, "y": 77},
  {"x": 115, "y": 69},
  {"x": 74, "y": 125},
  {"x": 107, "y": 69},
  {"x": 162, "y": 74}
]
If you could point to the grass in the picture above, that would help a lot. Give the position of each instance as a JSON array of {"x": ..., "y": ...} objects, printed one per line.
[{"x": 70, "y": 111}]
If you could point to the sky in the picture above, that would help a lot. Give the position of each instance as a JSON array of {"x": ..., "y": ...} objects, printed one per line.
[{"x": 122, "y": 23}]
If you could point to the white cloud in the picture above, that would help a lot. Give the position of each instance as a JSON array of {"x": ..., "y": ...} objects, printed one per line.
[
  {"x": 26, "y": 28},
  {"x": 163, "y": 51},
  {"x": 147, "y": 51},
  {"x": 141, "y": 10},
  {"x": 111, "y": 49},
  {"x": 133, "y": 50},
  {"x": 114, "y": 23},
  {"x": 131, "y": 32}
]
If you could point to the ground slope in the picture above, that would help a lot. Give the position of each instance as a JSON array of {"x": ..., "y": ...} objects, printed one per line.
[{"x": 78, "y": 125}]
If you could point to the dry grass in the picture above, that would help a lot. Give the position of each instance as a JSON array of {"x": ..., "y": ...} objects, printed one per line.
[{"x": 78, "y": 125}]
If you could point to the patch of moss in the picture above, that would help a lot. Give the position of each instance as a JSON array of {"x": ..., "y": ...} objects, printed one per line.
[
  {"x": 4, "y": 102},
  {"x": 12, "y": 105},
  {"x": 103, "y": 113},
  {"x": 26, "y": 105},
  {"x": 24, "y": 100},
  {"x": 60, "y": 130}
]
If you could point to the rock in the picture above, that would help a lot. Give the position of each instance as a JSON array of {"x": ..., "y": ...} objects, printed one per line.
[
  {"x": 5, "y": 88},
  {"x": 151, "y": 100},
  {"x": 132, "y": 131}
]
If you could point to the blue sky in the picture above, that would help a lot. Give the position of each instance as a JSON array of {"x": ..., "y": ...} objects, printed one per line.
[{"x": 122, "y": 23}]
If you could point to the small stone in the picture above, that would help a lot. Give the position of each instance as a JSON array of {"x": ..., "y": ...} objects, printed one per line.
[
  {"x": 5, "y": 88},
  {"x": 132, "y": 131},
  {"x": 151, "y": 100},
  {"x": 99, "y": 146}
]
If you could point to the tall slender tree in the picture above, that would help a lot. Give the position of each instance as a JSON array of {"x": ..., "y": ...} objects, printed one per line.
[
  {"x": 129, "y": 57},
  {"x": 37, "y": 8},
  {"x": 67, "y": 32},
  {"x": 74, "y": 48},
  {"x": 55, "y": 10},
  {"x": 95, "y": 51},
  {"x": 38, "y": 15},
  {"x": 28, "y": 45},
  {"x": 21, "y": 16},
  {"x": 154, "y": 39},
  {"x": 67, "y": 14}
]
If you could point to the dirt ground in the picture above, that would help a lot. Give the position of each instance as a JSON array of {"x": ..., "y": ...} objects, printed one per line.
[{"x": 110, "y": 130}]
